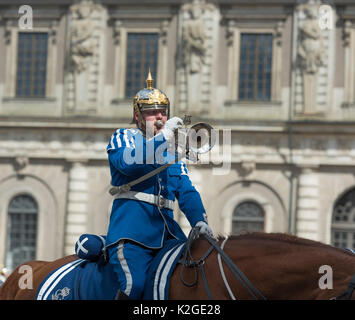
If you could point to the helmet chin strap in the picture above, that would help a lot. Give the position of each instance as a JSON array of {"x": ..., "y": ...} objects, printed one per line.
[{"x": 140, "y": 118}]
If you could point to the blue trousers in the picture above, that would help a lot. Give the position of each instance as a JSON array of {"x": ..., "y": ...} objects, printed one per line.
[{"x": 131, "y": 262}]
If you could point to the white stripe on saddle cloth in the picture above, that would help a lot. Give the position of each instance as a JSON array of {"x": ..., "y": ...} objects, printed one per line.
[
  {"x": 163, "y": 272},
  {"x": 53, "y": 280}
]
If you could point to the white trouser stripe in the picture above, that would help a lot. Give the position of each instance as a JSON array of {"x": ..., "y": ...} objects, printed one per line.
[
  {"x": 50, "y": 280},
  {"x": 165, "y": 272},
  {"x": 157, "y": 274},
  {"x": 125, "y": 268}
]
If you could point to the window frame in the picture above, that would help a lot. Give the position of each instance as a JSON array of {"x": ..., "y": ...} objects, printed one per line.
[
  {"x": 249, "y": 219},
  {"x": 144, "y": 76},
  {"x": 121, "y": 42},
  {"x": 51, "y": 215},
  {"x": 255, "y": 72},
  {"x": 11, "y": 65},
  {"x": 234, "y": 49},
  {"x": 33, "y": 71},
  {"x": 344, "y": 226},
  {"x": 8, "y": 232}
]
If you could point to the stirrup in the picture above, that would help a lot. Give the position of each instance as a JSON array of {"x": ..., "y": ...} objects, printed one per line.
[{"x": 121, "y": 295}]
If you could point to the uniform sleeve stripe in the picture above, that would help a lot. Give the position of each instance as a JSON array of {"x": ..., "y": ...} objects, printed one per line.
[
  {"x": 183, "y": 169},
  {"x": 125, "y": 137},
  {"x": 113, "y": 143},
  {"x": 131, "y": 140},
  {"x": 114, "y": 139},
  {"x": 121, "y": 138},
  {"x": 133, "y": 145}
]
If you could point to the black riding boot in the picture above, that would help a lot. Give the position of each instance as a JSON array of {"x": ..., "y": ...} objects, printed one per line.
[{"x": 121, "y": 295}]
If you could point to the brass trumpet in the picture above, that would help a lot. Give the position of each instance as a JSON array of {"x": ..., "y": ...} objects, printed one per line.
[{"x": 199, "y": 138}]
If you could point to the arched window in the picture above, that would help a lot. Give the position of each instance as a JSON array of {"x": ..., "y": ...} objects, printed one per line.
[
  {"x": 343, "y": 222},
  {"x": 248, "y": 216},
  {"x": 21, "y": 230}
]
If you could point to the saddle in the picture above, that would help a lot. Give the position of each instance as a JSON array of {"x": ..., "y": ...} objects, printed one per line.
[{"x": 90, "y": 277}]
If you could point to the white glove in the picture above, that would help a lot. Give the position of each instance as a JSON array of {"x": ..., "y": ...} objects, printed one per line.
[
  {"x": 205, "y": 228},
  {"x": 170, "y": 127}
]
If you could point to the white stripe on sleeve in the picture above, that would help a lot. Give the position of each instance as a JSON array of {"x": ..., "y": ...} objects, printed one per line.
[{"x": 118, "y": 139}]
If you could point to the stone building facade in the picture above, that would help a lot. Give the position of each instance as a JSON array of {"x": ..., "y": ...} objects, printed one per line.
[{"x": 275, "y": 78}]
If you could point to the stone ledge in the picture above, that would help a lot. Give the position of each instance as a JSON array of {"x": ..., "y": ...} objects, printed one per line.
[
  {"x": 28, "y": 100},
  {"x": 252, "y": 103}
]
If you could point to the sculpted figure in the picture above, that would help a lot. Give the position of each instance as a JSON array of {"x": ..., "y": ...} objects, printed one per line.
[
  {"x": 311, "y": 49},
  {"x": 194, "y": 39},
  {"x": 82, "y": 42},
  {"x": 310, "y": 55}
]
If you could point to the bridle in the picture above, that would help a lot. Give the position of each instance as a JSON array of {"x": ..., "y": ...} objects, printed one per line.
[{"x": 188, "y": 262}]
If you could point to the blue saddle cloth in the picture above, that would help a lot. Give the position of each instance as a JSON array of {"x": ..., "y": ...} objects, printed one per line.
[
  {"x": 161, "y": 269},
  {"x": 88, "y": 280}
]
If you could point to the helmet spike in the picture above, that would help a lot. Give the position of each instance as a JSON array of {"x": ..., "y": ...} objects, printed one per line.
[{"x": 149, "y": 80}]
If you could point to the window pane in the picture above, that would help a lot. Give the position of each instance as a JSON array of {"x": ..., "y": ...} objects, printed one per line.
[
  {"x": 142, "y": 53},
  {"x": 31, "y": 64},
  {"x": 21, "y": 231},
  {"x": 248, "y": 216},
  {"x": 255, "y": 67},
  {"x": 343, "y": 221}
]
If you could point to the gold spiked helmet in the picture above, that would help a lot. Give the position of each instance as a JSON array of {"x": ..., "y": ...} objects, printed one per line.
[{"x": 150, "y": 98}]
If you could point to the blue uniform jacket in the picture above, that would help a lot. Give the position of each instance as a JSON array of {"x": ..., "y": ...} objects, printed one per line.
[{"x": 131, "y": 156}]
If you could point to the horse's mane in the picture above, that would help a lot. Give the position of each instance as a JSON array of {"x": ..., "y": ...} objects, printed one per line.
[{"x": 283, "y": 237}]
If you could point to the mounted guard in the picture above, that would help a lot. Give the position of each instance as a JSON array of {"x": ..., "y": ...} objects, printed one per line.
[{"x": 142, "y": 213}]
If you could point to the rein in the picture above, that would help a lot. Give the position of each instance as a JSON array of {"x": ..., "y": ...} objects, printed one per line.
[
  {"x": 188, "y": 262},
  {"x": 349, "y": 291}
]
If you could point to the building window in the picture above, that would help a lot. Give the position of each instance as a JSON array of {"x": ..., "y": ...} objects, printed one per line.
[
  {"x": 21, "y": 231},
  {"x": 343, "y": 222},
  {"x": 31, "y": 64},
  {"x": 255, "y": 66},
  {"x": 248, "y": 216},
  {"x": 142, "y": 54}
]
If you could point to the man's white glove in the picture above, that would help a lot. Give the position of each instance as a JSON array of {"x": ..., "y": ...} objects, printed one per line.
[
  {"x": 170, "y": 127},
  {"x": 205, "y": 228}
]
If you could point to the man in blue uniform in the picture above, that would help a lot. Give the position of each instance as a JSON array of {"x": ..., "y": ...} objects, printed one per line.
[{"x": 142, "y": 215}]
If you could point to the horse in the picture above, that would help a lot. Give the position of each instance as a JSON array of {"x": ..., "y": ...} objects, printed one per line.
[{"x": 272, "y": 266}]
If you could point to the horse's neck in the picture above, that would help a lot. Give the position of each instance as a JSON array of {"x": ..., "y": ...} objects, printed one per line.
[{"x": 285, "y": 270}]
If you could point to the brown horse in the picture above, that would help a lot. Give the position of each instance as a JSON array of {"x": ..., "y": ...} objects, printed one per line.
[{"x": 278, "y": 266}]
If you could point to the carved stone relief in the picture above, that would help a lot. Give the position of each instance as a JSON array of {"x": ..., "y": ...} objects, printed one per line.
[
  {"x": 198, "y": 39},
  {"x": 194, "y": 37},
  {"x": 85, "y": 56},
  {"x": 314, "y": 59},
  {"x": 310, "y": 54},
  {"x": 349, "y": 63},
  {"x": 82, "y": 43}
]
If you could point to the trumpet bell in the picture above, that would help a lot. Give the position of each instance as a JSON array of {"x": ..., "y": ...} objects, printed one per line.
[{"x": 200, "y": 138}]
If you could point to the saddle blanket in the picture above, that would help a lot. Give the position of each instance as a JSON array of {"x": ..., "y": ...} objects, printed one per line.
[
  {"x": 161, "y": 269},
  {"x": 79, "y": 280},
  {"x": 88, "y": 280}
]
